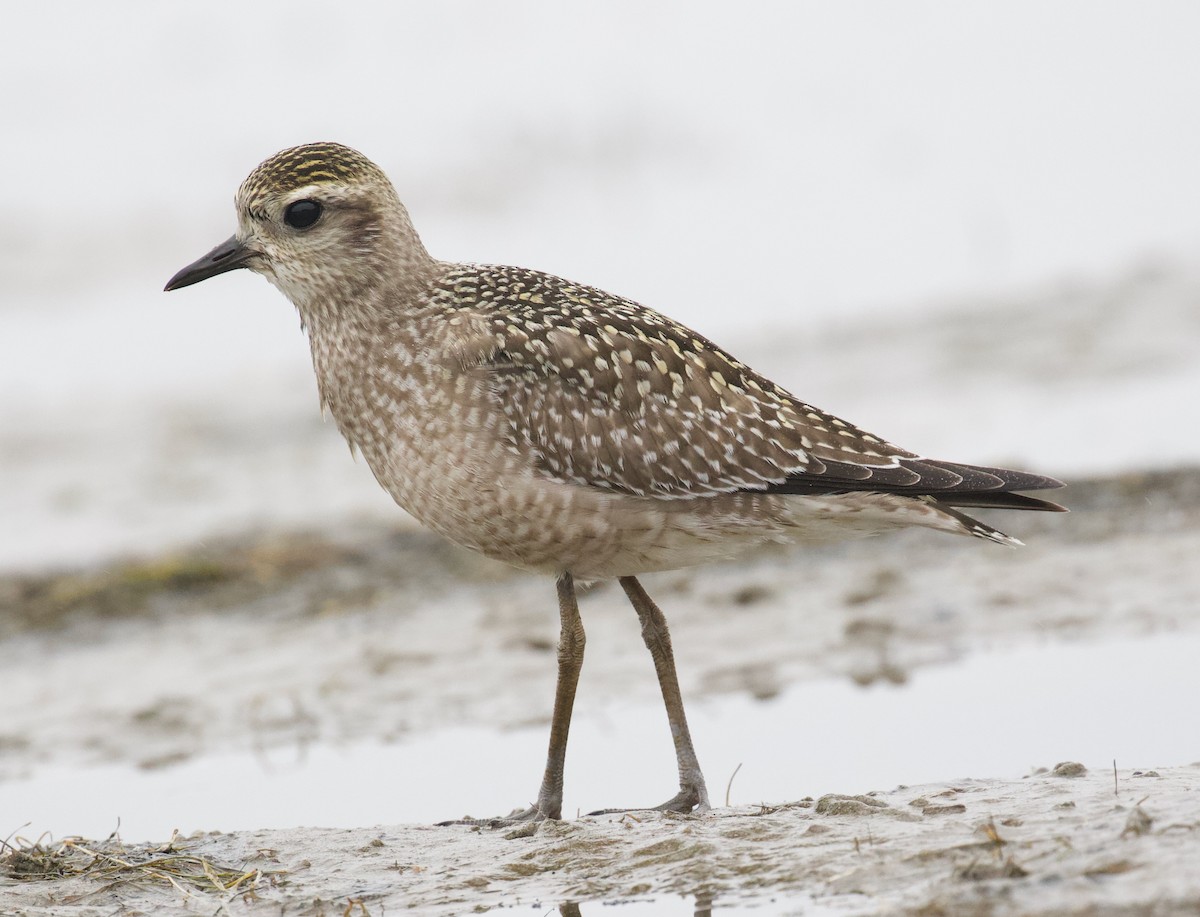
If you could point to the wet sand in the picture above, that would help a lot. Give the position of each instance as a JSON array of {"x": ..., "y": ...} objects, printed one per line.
[
  {"x": 1063, "y": 841},
  {"x": 267, "y": 642}
]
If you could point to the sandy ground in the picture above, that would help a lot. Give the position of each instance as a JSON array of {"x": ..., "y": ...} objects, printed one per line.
[
  {"x": 256, "y": 641},
  {"x": 1059, "y": 842}
]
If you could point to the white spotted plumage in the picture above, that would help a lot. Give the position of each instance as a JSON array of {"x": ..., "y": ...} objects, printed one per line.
[
  {"x": 562, "y": 429},
  {"x": 558, "y": 427},
  {"x": 514, "y": 411}
]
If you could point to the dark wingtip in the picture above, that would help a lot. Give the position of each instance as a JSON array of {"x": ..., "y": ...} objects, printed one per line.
[{"x": 976, "y": 476}]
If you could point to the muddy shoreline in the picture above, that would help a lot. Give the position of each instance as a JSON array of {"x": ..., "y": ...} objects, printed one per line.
[{"x": 378, "y": 632}]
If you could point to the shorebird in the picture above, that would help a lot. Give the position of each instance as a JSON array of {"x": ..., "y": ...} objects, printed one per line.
[{"x": 562, "y": 429}]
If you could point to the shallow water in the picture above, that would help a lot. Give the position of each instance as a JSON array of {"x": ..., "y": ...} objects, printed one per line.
[{"x": 997, "y": 714}]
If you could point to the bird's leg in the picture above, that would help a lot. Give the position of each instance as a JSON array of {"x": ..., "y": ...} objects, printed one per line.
[
  {"x": 571, "y": 641},
  {"x": 693, "y": 794}
]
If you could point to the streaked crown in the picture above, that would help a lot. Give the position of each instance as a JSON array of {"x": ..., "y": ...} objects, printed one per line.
[{"x": 307, "y": 165}]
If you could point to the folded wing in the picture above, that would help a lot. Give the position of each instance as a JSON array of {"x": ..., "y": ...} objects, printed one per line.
[{"x": 611, "y": 395}]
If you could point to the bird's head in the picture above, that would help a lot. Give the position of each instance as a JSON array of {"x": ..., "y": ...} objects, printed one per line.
[{"x": 321, "y": 222}]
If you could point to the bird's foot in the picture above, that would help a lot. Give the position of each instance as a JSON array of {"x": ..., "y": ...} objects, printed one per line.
[
  {"x": 517, "y": 817},
  {"x": 689, "y": 799}
]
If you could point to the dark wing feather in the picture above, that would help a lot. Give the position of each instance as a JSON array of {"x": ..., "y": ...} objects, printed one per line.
[{"x": 950, "y": 483}]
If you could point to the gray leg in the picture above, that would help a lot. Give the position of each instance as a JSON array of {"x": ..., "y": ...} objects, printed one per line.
[
  {"x": 571, "y": 641},
  {"x": 692, "y": 791}
]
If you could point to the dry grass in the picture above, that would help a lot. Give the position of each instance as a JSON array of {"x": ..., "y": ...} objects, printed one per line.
[{"x": 117, "y": 865}]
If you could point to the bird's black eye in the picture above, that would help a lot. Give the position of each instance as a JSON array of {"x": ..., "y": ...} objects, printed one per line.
[{"x": 302, "y": 214}]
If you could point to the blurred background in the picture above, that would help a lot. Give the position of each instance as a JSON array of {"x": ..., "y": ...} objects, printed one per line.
[{"x": 971, "y": 227}]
